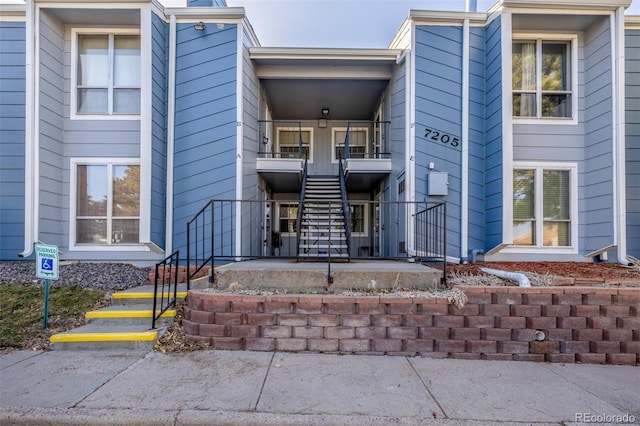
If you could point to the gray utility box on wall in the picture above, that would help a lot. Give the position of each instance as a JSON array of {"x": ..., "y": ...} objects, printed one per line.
[{"x": 438, "y": 184}]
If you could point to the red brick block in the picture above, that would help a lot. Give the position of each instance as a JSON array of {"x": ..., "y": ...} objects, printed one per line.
[
  {"x": 401, "y": 308},
  {"x": 354, "y": 345},
  {"x": 572, "y": 347},
  {"x": 450, "y": 346},
  {"x": 523, "y": 334},
  {"x": 437, "y": 333},
  {"x": 386, "y": 320},
  {"x": 370, "y": 309},
  {"x": 526, "y": 310},
  {"x": 479, "y": 298},
  {"x": 536, "y": 299},
  {"x": 622, "y": 359},
  {"x": 278, "y": 307},
  {"x": 500, "y": 334},
  {"x": 259, "y": 344},
  {"x": 615, "y": 311},
  {"x": 402, "y": 333},
  {"x": 545, "y": 347},
  {"x": 572, "y": 322},
  {"x": 340, "y": 308},
  {"x": 497, "y": 357},
  {"x": 465, "y": 333},
  {"x": 598, "y": 299},
  {"x": 246, "y": 307},
  {"x": 542, "y": 322},
  {"x": 213, "y": 305},
  {"x": 632, "y": 323},
  {"x": 387, "y": 345},
  {"x": 450, "y": 321},
  {"x": 248, "y": 298},
  {"x": 417, "y": 320},
  {"x": 466, "y": 355},
  {"x": 340, "y": 332},
  {"x": 561, "y": 358},
  {"x": 619, "y": 335},
  {"x": 627, "y": 298},
  {"x": 291, "y": 345},
  {"x": 479, "y": 321},
  {"x": 482, "y": 346},
  {"x": 227, "y": 343},
  {"x": 604, "y": 347},
  {"x": 567, "y": 299},
  {"x": 585, "y": 311},
  {"x": 191, "y": 327},
  {"x": 229, "y": 318},
  {"x": 202, "y": 339},
  {"x": 298, "y": 320},
  {"x": 276, "y": 331},
  {"x": 201, "y": 317},
  {"x": 308, "y": 332},
  {"x": 559, "y": 334},
  {"x": 511, "y": 322},
  {"x": 323, "y": 320},
  {"x": 467, "y": 309},
  {"x": 437, "y": 309},
  {"x": 587, "y": 334},
  {"x": 186, "y": 313},
  {"x": 601, "y": 322},
  {"x": 556, "y": 310},
  {"x": 244, "y": 331},
  {"x": 195, "y": 302},
  {"x": 323, "y": 345},
  {"x": 496, "y": 310},
  {"x": 419, "y": 345},
  {"x": 507, "y": 299},
  {"x": 371, "y": 332},
  {"x": 261, "y": 319},
  {"x": 529, "y": 357},
  {"x": 591, "y": 358},
  {"x": 309, "y": 306},
  {"x": 355, "y": 320}
]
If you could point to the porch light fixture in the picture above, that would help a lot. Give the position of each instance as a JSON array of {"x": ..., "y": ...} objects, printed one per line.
[
  {"x": 265, "y": 139},
  {"x": 325, "y": 112},
  {"x": 200, "y": 26}
]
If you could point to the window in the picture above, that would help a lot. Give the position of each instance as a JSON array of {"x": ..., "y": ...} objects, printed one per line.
[
  {"x": 357, "y": 142},
  {"x": 107, "y": 73},
  {"x": 289, "y": 141},
  {"x": 543, "y": 206},
  {"x": 107, "y": 203},
  {"x": 542, "y": 78},
  {"x": 358, "y": 218},
  {"x": 288, "y": 214}
]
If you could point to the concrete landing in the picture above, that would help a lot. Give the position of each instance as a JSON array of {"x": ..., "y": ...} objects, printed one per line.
[{"x": 357, "y": 274}]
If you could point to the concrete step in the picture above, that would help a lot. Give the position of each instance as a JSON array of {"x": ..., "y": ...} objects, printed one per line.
[
  {"x": 99, "y": 337},
  {"x": 323, "y": 246},
  {"x": 144, "y": 294},
  {"x": 128, "y": 315}
]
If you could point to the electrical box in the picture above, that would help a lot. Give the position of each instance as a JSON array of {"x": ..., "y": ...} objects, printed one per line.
[{"x": 438, "y": 184}]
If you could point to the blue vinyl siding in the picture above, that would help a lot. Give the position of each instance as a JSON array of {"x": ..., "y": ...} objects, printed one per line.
[
  {"x": 493, "y": 128},
  {"x": 12, "y": 134},
  {"x": 476, "y": 139},
  {"x": 598, "y": 156},
  {"x": 438, "y": 104},
  {"x": 205, "y": 127},
  {"x": 632, "y": 108},
  {"x": 159, "y": 60}
]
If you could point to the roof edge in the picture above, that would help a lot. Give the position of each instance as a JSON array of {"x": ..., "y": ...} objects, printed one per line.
[
  {"x": 323, "y": 53},
  {"x": 567, "y": 4},
  {"x": 13, "y": 9},
  {"x": 205, "y": 13}
]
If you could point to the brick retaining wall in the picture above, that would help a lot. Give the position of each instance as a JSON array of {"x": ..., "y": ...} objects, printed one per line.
[{"x": 581, "y": 324}]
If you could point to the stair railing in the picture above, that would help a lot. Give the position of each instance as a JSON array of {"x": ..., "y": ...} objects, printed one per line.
[
  {"x": 300, "y": 208},
  {"x": 165, "y": 286},
  {"x": 346, "y": 209}
]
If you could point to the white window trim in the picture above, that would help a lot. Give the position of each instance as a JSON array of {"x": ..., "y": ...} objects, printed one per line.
[
  {"x": 573, "y": 38},
  {"x": 277, "y": 218},
  {"x": 295, "y": 129},
  {"x": 74, "y": 73},
  {"x": 334, "y": 141},
  {"x": 73, "y": 172},
  {"x": 366, "y": 218},
  {"x": 572, "y": 248}
]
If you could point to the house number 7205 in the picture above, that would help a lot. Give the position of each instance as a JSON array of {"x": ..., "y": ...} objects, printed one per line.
[{"x": 436, "y": 135}]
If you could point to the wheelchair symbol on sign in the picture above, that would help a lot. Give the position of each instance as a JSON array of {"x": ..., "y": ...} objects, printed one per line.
[{"x": 47, "y": 264}]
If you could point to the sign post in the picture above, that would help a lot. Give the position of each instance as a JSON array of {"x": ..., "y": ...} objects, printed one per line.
[{"x": 47, "y": 267}]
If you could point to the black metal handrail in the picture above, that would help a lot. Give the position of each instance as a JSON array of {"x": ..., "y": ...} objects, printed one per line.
[
  {"x": 198, "y": 252},
  {"x": 346, "y": 209},
  {"x": 165, "y": 286},
  {"x": 431, "y": 235},
  {"x": 301, "y": 206}
]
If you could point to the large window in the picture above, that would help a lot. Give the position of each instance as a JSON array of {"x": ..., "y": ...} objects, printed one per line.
[
  {"x": 357, "y": 138},
  {"x": 542, "y": 78},
  {"x": 287, "y": 215},
  {"x": 291, "y": 139},
  {"x": 107, "y": 203},
  {"x": 358, "y": 219},
  {"x": 107, "y": 74},
  {"x": 543, "y": 206}
]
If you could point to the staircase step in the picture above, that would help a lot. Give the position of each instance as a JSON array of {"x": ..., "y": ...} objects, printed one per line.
[
  {"x": 324, "y": 255},
  {"x": 94, "y": 336},
  {"x": 144, "y": 294},
  {"x": 127, "y": 314},
  {"x": 323, "y": 246}
]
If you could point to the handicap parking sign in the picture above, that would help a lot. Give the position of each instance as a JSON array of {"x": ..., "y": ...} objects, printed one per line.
[{"x": 46, "y": 261}]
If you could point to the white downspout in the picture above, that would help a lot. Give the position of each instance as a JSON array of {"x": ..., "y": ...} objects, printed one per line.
[
  {"x": 410, "y": 173},
  {"x": 171, "y": 122},
  {"x": 521, "y": 279},
  {"x": 239, "y": 133},
  {"x": 464, "y": 176}
]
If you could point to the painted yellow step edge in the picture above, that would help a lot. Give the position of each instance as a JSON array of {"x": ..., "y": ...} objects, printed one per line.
[
  {"x": 126, "y": 314},
  {"x": 180, "y": 294},
  {"x": 103, "y": 337}
]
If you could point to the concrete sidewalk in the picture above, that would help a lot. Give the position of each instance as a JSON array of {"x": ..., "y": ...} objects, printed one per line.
[{"x": 243, "y": 388}]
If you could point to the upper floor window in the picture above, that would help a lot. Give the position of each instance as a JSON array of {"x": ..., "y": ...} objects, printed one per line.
[
  {"x": 107, "y": 74},
  {"x": 542, "y": 77},
  {"x": 356, "y": 138},
  {"x": 295, "y": 143}
]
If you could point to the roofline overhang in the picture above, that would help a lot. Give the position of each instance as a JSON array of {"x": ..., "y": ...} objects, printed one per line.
[
  {"x": 447, "y": 16},
  {"x": 632, "y": 22},
  {"x": 13, "y": 10},
  {"x": 296, "y": 53},
  {"x": 206, "y": 14},
  {"x": 609, "y": 5}
]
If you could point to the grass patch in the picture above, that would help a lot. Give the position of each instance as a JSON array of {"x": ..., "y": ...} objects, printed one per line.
[{"x": 22, "y": 308}]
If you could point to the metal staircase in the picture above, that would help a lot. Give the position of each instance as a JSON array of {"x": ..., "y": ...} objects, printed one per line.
[{"x": 323, "y": 230}]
